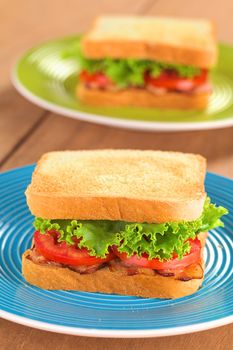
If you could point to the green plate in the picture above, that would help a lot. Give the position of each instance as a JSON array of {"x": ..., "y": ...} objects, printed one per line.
[{"x": 44, "y": 77}]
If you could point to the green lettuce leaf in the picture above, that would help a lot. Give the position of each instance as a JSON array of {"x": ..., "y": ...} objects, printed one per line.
[
  {"x": 157, "y": 240},
  {"x": 127, "y": 72}
]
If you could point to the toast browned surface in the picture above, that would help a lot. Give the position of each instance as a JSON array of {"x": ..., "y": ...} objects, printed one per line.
[
  {"x": 105, "y": 281},
  {"x": 167, "y": 39},
  {"x": 128, "y": 185},
  {"x": 142, "y": 98}
]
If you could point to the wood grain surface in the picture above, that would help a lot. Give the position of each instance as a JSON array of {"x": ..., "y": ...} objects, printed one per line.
[{"x": 27, "y": 131}]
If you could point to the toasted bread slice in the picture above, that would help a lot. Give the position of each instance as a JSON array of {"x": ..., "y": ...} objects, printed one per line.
[
  {"x": 166, "y": 39},
  {"x": 142, "y": 98},
  {"x": 128, "y": 185},
  {"x": 105, "y": 281}
]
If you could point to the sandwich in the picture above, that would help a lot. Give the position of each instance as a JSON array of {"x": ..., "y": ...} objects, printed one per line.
[
  {"x": 127, "y": 222},
  {"x": 154, "y": 62}
]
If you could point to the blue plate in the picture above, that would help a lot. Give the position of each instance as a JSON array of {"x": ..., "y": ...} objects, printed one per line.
[{"x": 102, "y": 315}]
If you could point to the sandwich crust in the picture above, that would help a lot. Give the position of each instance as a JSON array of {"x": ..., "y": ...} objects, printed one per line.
[
  {"x": 128, "y": 185},
  {"x": 142, "y": 98}
]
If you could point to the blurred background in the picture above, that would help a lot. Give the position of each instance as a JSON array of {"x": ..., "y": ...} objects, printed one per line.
[
  {"x": 28, "y": 22},
  {"x": 27, "y": 131}
]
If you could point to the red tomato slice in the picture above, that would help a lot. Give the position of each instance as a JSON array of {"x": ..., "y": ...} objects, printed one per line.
[
  {"x": 98, "y": 79},
  {"x": 47, "y": 245},
  {"x": 191, "y": 258},
  {"x": 172, "y": 81}
]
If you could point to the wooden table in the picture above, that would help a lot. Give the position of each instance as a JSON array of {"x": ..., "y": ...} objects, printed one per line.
[{"x": 27, "y": 131}]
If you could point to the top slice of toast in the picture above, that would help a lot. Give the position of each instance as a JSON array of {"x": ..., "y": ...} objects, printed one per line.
[
  {"x": 167, "y": 39},
  {"x": 129, "y": 185}
]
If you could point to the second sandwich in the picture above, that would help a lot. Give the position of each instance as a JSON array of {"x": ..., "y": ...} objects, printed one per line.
[{"x": 157, "y": 62}]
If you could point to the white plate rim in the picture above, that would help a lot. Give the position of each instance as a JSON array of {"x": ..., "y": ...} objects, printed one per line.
[
  {"x": 91, "y": 332},
  {"x": 115, "y": 122}
]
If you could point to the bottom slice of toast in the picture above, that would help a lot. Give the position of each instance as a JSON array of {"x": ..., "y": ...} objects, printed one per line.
[
  {"x": 142, "y": 98},
  {"x": 106, "y": 281}
]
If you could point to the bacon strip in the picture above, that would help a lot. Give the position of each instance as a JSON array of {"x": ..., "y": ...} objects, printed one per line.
[{"x": 193, "y": 271}]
